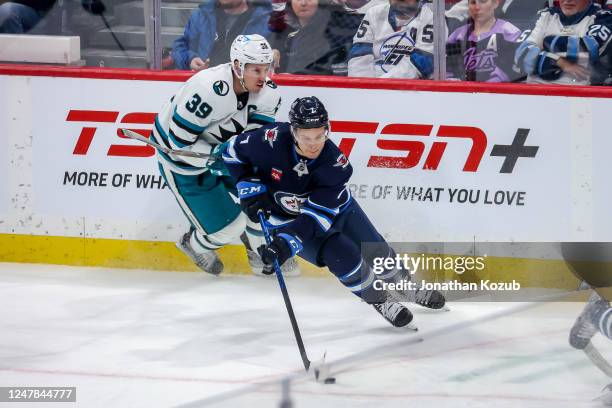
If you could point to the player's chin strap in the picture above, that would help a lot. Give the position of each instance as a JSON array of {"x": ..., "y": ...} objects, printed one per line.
[{"x": 240, "y": 77}]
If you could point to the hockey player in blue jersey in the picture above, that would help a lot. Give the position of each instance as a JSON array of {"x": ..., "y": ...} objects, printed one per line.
[{"x": 298, "y": 178}]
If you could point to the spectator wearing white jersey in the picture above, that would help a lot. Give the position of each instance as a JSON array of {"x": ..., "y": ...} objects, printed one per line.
[
  {"x": 394, "y": 40},
  {"x": 566, "y": 44}
]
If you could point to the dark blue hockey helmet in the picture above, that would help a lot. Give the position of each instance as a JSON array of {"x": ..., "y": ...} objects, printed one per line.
[{"x": 308, "y": 113}]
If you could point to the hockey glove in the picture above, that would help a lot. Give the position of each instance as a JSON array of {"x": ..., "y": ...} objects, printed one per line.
[
  {"x": 282, "y": 247},
  {"x": 215, "y": 163},
  {"x": 254, "y": 197}
]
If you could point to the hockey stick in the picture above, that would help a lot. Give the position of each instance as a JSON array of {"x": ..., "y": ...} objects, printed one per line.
[
  {"x": 319, "y": 368},
  {"x": 188, "y": 153}
]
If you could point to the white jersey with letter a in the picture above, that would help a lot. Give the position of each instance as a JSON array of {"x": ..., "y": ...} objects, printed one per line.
[
  {"x": 206, "y": 112},
  {"x": 381, "y": 51}
]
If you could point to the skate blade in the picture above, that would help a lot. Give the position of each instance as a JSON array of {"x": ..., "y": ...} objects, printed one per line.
[{"x": 411, "y": 327}]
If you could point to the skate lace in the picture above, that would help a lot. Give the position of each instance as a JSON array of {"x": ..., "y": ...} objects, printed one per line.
[
  {"x": 586, "y": 329},
  {"x": 423, "y": 297},
  {"x": 205, "y": 259},
  {"x": 254, "y": 259},
  {"x": 390, "y": 310}
]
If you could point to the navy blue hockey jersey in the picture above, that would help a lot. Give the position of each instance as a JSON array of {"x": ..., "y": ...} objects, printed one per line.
[{"x": 308, "y": 193}]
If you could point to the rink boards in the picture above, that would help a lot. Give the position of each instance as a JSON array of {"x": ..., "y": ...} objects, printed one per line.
[{"x": 433, "y": 162}]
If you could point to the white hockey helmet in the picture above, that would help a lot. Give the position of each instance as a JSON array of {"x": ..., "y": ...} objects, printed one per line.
[{"x": 250, "y": 49}]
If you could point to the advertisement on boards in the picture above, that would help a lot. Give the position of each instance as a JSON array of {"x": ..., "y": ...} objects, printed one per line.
[{"x": 428, "y": 165}]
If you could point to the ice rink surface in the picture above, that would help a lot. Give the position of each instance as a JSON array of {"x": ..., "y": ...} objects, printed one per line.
[{"x": 156, "y": 339}]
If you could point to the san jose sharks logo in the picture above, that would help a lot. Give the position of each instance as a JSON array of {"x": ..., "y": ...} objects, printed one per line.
[
  {"x": 221, "y": 88},
  {"x": 224, "y": 133}
]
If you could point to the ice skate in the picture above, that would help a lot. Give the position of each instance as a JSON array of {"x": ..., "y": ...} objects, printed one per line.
[
  {"x": 605, "y": 399},
  {"x": 207, "y": 260},
  {"x": 585, "y": 326},
  {"x": 395, "y": 313},
  {"x": 431, "y": 299}
]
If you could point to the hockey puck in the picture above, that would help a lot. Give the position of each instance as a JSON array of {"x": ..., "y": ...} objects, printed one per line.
[{"x": 330, "y": 380}]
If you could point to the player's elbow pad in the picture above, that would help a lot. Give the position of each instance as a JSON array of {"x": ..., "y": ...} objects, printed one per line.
[
  {"x": 547, "y": 67},
  {"x": 423, "y": 62}
]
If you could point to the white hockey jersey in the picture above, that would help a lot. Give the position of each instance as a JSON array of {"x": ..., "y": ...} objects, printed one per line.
[
  {"x": 206, "y": 112},
  {"x": 381, "y": 48},
  {"x": 581, "y": 40}
]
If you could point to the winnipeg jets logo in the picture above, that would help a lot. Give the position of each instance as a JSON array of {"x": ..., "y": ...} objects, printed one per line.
[
  {"x": 341, "y": 161},
  {"x": 290, "y": 203},
  {"x": 394, "y": 50},
  {"x": 270, "y": 136},
  {"x": 301, "y": 168}
]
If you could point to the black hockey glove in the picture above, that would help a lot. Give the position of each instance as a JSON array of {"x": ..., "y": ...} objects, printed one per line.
[
  {"x": 282, "y": 247},
  {"x": 253, "y": 198}
]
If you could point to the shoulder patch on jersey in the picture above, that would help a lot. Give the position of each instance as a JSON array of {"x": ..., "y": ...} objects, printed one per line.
[
  {"x": 341, "y": 161},
  {"x": 276, "y": 174},
  {"x": 221, "y": 87},
  {"x": 270, "y": 136},
  {"x": 271, "y": 84}
]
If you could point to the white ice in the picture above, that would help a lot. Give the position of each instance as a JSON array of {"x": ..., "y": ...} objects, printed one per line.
[{"x": 156, "y": 339}]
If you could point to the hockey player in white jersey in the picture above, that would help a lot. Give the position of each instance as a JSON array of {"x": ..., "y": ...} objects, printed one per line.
[
  {"x": 208, "y": 109},
  {"x": 394, "y": 40},
  {"x": 566, "y": 44}
]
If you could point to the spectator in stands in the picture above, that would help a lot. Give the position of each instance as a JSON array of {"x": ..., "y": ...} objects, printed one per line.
[
  {"x": 313, "y": 37},
  {"x": 483, "y": 49},
  {"x": 20, "y": 16},
  {"x": 521, "y": 13},
  {"x": 566, "y": 43},
  {"x": 211, "y": 29},
  {"x": 394, "y": 40},
  {"x": 602, "y": 71}
]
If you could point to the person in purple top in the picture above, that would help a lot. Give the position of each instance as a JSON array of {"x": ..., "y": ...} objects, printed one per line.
[{"x": 483, "y": 49}]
